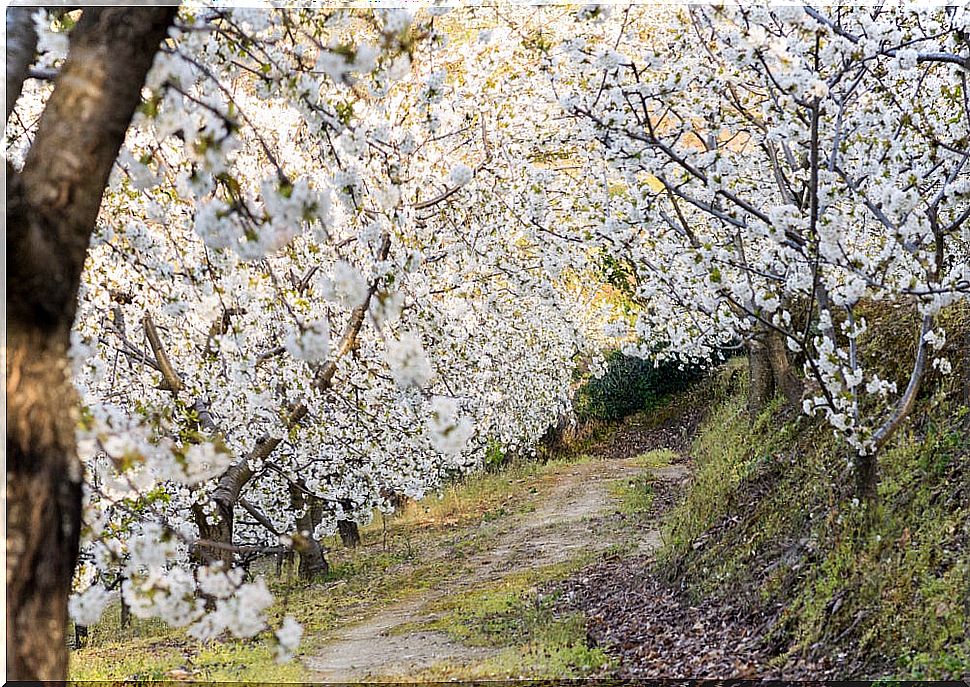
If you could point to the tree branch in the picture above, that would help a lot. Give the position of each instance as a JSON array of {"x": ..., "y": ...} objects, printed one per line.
[
  {"x": 908, "y": 399},
  {"x": 21, "y": 49},
  {"x": 172, "y": 380}
]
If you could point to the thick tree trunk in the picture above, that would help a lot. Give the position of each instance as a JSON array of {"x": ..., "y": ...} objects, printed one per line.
[
  {"x": 313, "y": 564},
  {"x": 761, "y": 381},
  {"x": 43, "y": 502},
  {"x": 784, "y": 378},
  {"x": 770, "y": 372},
  {"x": 52, "y": 206},
  {"x": 219, "y": 531}
]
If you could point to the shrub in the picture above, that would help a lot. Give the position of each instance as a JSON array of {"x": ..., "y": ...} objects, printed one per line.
[{"x": 629, "y": 385}]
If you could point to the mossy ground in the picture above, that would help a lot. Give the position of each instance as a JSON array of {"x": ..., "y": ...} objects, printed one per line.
[
  {"x": 635, "y": 496},
  {"x": 531, "y": 639}
]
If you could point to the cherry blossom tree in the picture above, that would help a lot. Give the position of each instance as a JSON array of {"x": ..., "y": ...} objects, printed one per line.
[
  {"x": 775, "y": 170},
  {"x": 330, "y": 256},
  {"x": 299, "y": 303}
]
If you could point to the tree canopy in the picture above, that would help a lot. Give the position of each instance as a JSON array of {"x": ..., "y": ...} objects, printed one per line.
[{"x": 342, "y": 254}]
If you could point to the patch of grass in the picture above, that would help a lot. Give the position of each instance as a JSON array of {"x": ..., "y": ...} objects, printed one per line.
[
  {"x": 512, "y": 616},
  {"x": 556, "y": 651},
  {"x": 657, "y": 458},
  {"x": 635, "y": 496},
  {"x": 728, "y": 449},
  {"x": 497, "y": 613},
  {"x": 133, "y": 659}
]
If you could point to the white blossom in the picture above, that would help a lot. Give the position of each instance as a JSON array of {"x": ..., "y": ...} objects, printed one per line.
[{"x": 408, "y": 360}]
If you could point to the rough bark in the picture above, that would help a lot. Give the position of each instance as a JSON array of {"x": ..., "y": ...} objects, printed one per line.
[
  {"x": 20, "y": 53},
  {"x": 218, "y": 529},
  {"x": 761, "y": 382},
  {"x": 866, "y": 477},
  {"x": 770, "y": 371},
  {"x": 783, "y": 377},
  {"x": 315, "y": 507},
  {"x": 52, "y": 206}
]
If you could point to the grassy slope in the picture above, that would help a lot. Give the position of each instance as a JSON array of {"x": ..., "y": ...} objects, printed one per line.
[{"x": 769, "y": 520}]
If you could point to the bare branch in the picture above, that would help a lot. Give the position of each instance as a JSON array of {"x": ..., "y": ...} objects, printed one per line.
[{"x": 172, "y": 380}]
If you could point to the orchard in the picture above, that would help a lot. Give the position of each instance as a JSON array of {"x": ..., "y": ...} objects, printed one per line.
[{"x": 274, "y": 271}]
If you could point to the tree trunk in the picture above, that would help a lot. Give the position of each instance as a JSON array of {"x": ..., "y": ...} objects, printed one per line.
[
  {"x": 43, "y": 501},
  {"x": 20, "y": 52},
  {"x": 761, "y": 381},
  {"x": 349, "y": 533},
  {"x": 313, "y": 564},
  {"x": 125, "y": 619},
  {"x": 770, "y": 372},
  {"x": 312, "y": 561},
  {"x": 218, "y": 532},
  {"x": 80, "y": 635},
  {"x": 783, "y": 378},
  {"x": 52, "y": 206},
  {"x": 866, "y": 477}
]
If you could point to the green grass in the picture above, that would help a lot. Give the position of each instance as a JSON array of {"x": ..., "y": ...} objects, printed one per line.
[
  {"x": 657, "y": 458},
  {"x": 769, "y": 521},
  {"x": 402, "y": 555},
  {"x": 634, "y": 496},
  {"x": 528, "y": 637},
  {"x": 555, "y": 650}
]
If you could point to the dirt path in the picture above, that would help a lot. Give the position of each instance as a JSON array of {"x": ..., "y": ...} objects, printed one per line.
[{"x": 561, "y": 527}]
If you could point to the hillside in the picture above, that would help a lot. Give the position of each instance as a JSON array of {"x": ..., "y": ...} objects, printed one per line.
[{"x": 770, "y": 569}]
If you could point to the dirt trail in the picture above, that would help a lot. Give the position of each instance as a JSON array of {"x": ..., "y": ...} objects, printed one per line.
[{"x": 561, "y": 527}]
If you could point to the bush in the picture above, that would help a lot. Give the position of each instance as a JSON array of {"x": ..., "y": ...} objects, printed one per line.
[{"x": 629, "y": 385}]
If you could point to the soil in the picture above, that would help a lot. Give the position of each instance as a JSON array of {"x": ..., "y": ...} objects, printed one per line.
[
  {"x": 567, "y": 521},
  {"x": 651, "y": 626}
]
